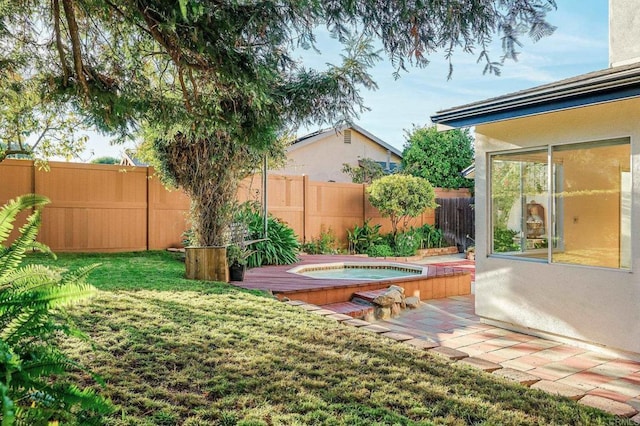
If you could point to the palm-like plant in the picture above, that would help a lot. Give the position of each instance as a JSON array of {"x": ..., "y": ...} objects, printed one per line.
[{"x": 31, "y": 298}]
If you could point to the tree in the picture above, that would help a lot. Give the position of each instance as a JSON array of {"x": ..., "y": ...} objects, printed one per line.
[
  {"x": 105, "y": 160},
  {"x": 35, "y": 126},
  {"x": 439, "y": 157},
  {"x": 212, "y": 85},
  {"x": 400, "y": 198},
  {"x": 366, "y": 171}
]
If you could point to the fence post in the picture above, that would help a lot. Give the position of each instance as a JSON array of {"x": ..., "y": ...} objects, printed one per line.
[
  {"x": 305, "y": 207},
  {"x": 149, "y": 176},
  {"x": 364, "y": 203}
]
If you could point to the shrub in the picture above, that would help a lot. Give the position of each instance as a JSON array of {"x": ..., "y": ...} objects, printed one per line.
[
  {"x": 32, "y": 301},
  {"x": 431, "y": 237},
  {"x": 503, "y": 240},
  {"x": 406, "y": 244},
  {"x": 281, "y": 246},
  {"x": 363, "y": 237},
  {"x": 380, "y": 250},
  {"x": 324, "y": 244}
]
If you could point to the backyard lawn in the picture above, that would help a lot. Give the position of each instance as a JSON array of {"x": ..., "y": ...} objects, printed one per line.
[{"x": 173, "y": 351}]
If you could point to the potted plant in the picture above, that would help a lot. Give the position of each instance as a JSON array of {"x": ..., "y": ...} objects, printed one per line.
[
  {"x": 237, "y": 258},
  {"x": 471, "y": 253}
]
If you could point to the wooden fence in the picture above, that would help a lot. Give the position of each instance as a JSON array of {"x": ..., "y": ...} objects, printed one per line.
[
  {"x": 456, "y": 218},
  {"x": 104, "y": 208}
]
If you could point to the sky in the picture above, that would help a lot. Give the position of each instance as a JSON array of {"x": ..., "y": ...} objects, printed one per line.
[{"x": 579, "y": 45}]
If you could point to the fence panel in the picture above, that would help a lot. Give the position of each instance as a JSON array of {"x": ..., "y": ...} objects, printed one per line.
[
  {"x": 333, "y": 206},
  {"x": 167, "y": 214},
  {"x": 94, "y": 208},
  {"x": 285, "y": 198},
  {"x": 16, "y": 178},
  {"x": 456, "y": 218},
  {"x": 115, "y": 208}
]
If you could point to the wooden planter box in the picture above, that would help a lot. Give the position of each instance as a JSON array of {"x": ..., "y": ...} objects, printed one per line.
[{"x": 207, "y": 263}]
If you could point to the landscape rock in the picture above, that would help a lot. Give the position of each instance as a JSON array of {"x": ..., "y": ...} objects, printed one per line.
[
  {"x": 397, "y": 288},
  {"x": 393, "y": 294},
  {"x": 396, "y": 310},
  {"x": 382, "y": 313},
  {"x": 412, "y": 302}
]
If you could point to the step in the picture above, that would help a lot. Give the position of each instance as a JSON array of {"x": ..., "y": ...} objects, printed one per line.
[
  {"x": 368, "y": 296},
  {"x": 355, "y": 310}
]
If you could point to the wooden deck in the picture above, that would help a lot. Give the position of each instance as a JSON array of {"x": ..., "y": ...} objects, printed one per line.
[{"x": 443, "y": 281}]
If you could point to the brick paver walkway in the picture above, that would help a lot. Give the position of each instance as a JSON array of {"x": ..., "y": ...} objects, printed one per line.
[{"x": 452, "y": 323}]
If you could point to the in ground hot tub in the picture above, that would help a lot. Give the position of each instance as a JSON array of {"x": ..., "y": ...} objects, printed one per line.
[{"x": 369, "y": 271}]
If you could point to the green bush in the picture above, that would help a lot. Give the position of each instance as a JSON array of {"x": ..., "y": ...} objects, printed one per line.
[
  {"x": 406, "y": 244},
  {"x": 430, "y": 236},
  {"x": 380, "y": 250},
  {"x": 281, "y": 246},
  {"x": 34, "y": 387},
  {"x": 400, "y": 198},
  {"x": 324, "y": 244},
  {"x": 503, "y": 240},
  {"x": 361, "y": 238}
]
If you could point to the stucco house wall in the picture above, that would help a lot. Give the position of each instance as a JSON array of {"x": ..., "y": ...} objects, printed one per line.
[
  {"x": 588, "y": 305},
  {"x": 322, "y": 158}
]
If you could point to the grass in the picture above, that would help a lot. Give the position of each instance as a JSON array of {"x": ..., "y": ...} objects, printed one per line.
[{"x": 179, "y": 352}]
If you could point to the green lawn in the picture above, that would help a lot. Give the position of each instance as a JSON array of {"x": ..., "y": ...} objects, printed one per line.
[{"x": 173, "y": 351}]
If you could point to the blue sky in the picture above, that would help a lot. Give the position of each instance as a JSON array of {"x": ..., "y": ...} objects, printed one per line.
[{"x": 579, "y": 45}]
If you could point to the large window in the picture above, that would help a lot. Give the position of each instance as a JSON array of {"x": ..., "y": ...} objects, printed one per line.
[{"x": 563, "y": 204}]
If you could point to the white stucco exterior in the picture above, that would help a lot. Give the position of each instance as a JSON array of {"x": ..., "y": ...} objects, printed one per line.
[
  {"x": 624, "y": 32},
  {"x": 321, "y": 157},
  {"x": 587, "y": 305}
]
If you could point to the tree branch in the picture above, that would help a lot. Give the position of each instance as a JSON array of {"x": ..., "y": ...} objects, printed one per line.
[
  {"x": 42, "y": 135},
  {"x": 75, "y": 45},
  {"x": 59, "y": 46}
]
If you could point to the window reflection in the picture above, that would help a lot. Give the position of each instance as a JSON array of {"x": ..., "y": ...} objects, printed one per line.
[{"x": 586, "y": 220}]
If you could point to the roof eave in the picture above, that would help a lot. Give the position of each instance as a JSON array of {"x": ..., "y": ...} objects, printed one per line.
[{"x": 605, "y": 86}]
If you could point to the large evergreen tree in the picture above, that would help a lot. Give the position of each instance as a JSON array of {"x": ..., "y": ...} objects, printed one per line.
[
  {"x": 439, "y": 157},
  {"x": 212, "y": 84}
]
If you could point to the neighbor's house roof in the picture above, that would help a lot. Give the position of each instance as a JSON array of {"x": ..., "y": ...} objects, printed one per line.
[
  {"x": 129, "y": 159},
  {"x": 607, "y": 85},
  {"x": 315, "y": 136}
]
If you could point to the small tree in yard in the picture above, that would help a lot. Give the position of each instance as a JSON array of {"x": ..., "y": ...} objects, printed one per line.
[{"x": 401, "y": 197}]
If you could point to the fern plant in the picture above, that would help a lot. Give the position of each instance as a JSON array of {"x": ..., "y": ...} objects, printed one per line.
[{"x": 33, "y": 387}]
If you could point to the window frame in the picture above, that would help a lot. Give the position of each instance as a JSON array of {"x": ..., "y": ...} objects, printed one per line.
[{"x": 555, "y": 209}]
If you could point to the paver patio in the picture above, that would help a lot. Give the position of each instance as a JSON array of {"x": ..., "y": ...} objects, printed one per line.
[
  {"x": 452, "y": 323},
  {"x": 449, "y": 327}
]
